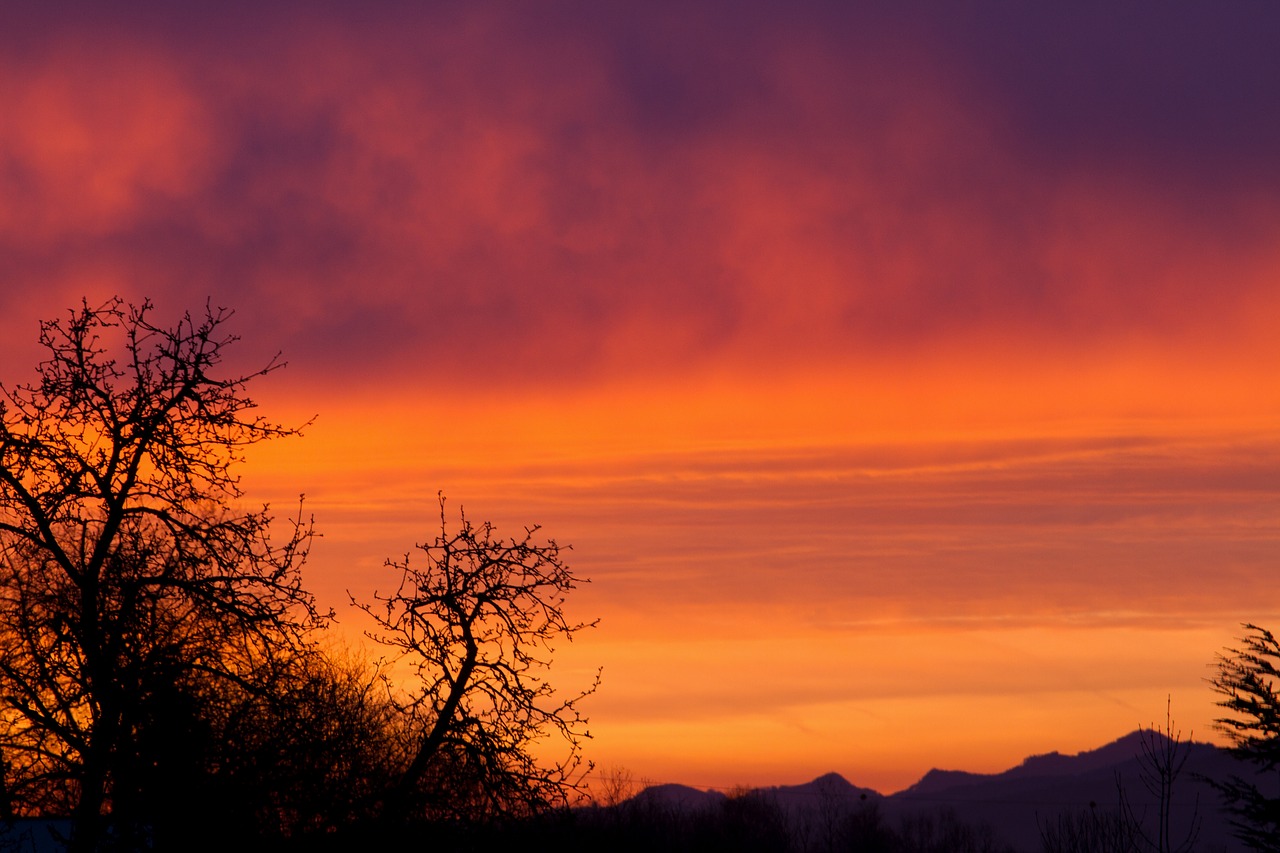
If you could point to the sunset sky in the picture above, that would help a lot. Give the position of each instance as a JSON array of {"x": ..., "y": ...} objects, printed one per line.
[{"x": 904, "y": 375}]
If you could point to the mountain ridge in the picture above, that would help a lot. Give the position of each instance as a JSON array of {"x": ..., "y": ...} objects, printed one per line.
[
  {"x": 1016, "y": 802},
  {"x": 1052, "y": 763}
]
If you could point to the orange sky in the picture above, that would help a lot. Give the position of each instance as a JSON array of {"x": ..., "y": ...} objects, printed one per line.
[{"x": 903, "y": 378}]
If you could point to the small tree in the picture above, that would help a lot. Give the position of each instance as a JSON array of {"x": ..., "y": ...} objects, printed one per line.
[
  {"x": 127, "y": 565},
  {"x": 1246, "y": 680},
  {"x": 477, "y": 622},
  {"x": 1161, "y": 758}
]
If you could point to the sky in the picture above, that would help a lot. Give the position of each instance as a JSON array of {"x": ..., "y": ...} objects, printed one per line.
[{"x": 902, "y": 375}]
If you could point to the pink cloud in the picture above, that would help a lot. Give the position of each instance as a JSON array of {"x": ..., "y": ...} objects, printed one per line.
[{"x": 442, "y": 192}]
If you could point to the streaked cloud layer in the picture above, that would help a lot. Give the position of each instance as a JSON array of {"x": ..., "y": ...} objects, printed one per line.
[{"x": 816, "y": 330}]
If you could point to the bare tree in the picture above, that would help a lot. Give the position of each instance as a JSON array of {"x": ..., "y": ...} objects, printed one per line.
[
  {"x": 613, "y": 787},
  {"x": 1163, "y": 755},
  {"x": 1246, "y": 680},
  {"x": 126, "y": 561},
  {"x": 476, "y": 622},
  {"x": 1094, "y": 830}
]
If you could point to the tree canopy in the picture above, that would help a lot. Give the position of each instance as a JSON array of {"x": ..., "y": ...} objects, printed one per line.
[
  {"x": 476, "y": 621},
  {"x": 127, "y": 564}
]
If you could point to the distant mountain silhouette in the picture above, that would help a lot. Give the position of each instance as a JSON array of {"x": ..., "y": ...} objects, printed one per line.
[
  {"x": 829, "y": 786},
  {"x": 1018, "y": 801},
  {"x": 1049, "y": 765},
  {"x": 679, "y": 797},
  {"x": 943, "y": 780}
]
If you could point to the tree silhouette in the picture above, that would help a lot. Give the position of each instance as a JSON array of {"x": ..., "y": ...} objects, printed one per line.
[
  {"x": 476, "y": 623},
  {"x": 1162, "y": 755},
  {"x": 301, "y": 748},
  {"x": 1246, "y": 680},
  {"x": 128, "y": 570}
]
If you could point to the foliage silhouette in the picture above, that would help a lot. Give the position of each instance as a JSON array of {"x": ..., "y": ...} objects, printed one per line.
[{"x": 1246, "y": 680}]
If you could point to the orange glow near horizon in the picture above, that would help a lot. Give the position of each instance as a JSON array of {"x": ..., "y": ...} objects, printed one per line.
[{"x": 989, "y": 563}]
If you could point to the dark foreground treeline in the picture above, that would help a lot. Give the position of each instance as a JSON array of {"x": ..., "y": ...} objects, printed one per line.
[
  {"x": 750, "y": 823},
  {"x": 745, "y": 824},
  {"x": 755, "y": 823},
  {"x": 758, "y": 822}
]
